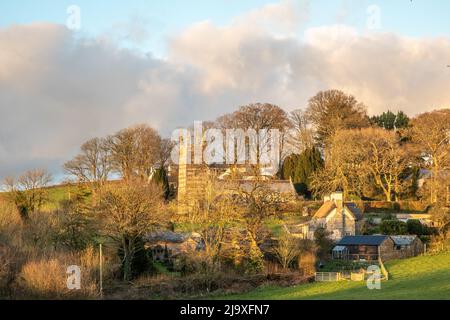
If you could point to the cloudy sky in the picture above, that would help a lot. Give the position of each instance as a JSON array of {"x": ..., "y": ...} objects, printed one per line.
[{"x": 71, "y": 73}]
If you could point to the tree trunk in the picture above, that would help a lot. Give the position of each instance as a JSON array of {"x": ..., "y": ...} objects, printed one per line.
[
  {"x": 389, "y": 194},
  {"x": 128, "y": 253}
]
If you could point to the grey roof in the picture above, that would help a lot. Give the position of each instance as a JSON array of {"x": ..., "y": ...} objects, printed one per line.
[
  {"x": 354, "y": 209},
  {"x": 403, "y": 240},
  {"x": 339, "y": 248},
  {"x": 169, "y": 237},
  {"x": 362, "y": 240}
]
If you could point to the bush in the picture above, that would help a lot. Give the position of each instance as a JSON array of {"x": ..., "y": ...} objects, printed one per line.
[
  {"x": 75, "y": 226},
  {"x": 393, "y": 227},
  {"x": 10, "y": 264},
  {"x": 415, "y": 227},
  {"x": 254, "y": 259},
  {"x": 46, "y": 278},
  {"x": 287, "y": 250},
  {"x": 372, "y": 230}
]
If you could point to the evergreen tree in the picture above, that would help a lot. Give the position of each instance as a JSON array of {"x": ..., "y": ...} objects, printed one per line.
[
  {"x": 390, "y": 121},
  {"x": 161, "y": 178},
  {"x": 300, "y": 167}
]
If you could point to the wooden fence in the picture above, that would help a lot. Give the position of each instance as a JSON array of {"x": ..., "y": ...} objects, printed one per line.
[
  {"x": 340, "y": 276},
  {"x": 328, "y": 276},
  {"x": 383, "y": 270}
]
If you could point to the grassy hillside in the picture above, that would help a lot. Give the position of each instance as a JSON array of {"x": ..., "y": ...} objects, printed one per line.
[
  {"x": 55, "y": 195},
  {"x": 426, "y": 277}
]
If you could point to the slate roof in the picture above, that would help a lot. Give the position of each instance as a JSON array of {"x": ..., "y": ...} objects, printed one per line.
[
  {"x": 329, "y": 206},
  {"x": 403, "y": 240},
  {"x": 325, "y": 210},
  {"x": 170, "y": 237},
  {"x": 362, "y": 240},
  {"x": 354, "y": 209}
]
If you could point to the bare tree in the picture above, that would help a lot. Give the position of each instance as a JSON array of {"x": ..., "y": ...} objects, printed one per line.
[
  {"x": 357, "y": 157},
  {"x": 343, "y": 169},
  {"x": 440, "y": 214},
  {"x": 287, "y": 249},
  {"x": 130, "y": 210},
  {"x": 431, "y": 133},
  {"x": 258, "y": 202},
  {"x": 385, "y": 159},
  {"x": 165, "y": 151},
  {"x": 260, "y": 117},
  {"x": 303, "y": 137},
  {"x": 92, "y": 164},
  {"x": 135, "y": 151},
  {"x": 28, "y": 192},
  {"x": 332, "y": 110},
  {"x": 211, "y": 215}
]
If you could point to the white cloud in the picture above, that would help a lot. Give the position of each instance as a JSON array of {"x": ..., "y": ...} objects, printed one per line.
[{"x": 57, "y": 90}]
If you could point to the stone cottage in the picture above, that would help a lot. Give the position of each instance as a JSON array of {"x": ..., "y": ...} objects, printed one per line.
[{"x": 336, "y": 216}]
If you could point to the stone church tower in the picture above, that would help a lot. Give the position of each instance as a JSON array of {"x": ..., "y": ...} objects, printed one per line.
[{"x": 192, "y": 179}]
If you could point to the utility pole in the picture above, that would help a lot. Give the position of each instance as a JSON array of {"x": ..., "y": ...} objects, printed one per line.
[{"x": 101, "y": 271}]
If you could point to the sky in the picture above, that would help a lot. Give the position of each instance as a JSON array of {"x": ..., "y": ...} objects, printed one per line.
[
  {"x": 161, "y": 19},
  {"x": 169, "y": 63}
]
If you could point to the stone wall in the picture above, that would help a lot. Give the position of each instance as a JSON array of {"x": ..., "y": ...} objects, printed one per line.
[
  {"x": 192, "y": 184},
  {"x": 337, "y": 223},
  {"x": 392, "y": 252},
  {"x": 389, "y": 250}
]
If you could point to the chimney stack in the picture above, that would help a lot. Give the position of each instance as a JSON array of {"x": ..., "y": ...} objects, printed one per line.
[{"x": 338, "y": 198}]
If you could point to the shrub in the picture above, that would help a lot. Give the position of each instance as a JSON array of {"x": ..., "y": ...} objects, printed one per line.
[
  {"x": 393, "y": 227},
  {"x": 307, "y": 262},
  {"x": 10, "y": 262},
  {"x": 46, "y": 278},
  {"x": 75, "y": 226},
  {"x": 254, "y": 260},
  {"x": 286, "y": 250},
  {"x": 415, "y": 227}
]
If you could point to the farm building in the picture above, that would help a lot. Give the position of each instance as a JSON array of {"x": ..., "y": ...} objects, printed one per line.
[
  {"x": 407, "y": 246},
  {"x": 371, "y": 248}
]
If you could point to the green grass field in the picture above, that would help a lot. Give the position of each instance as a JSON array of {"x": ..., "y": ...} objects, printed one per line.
[
  {"x": 55, "y": 194},
  {"x": 421, "y": 278}
]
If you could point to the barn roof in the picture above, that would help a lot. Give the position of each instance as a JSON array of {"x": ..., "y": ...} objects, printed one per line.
[
  {"x": 362, "y": 240},
  {"x": 403, "y": 240}
]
